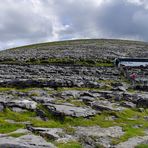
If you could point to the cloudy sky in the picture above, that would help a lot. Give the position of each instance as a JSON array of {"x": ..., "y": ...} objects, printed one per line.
[{"x": 30, "y": 21}]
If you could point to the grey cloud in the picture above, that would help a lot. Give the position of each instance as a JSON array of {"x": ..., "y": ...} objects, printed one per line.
[
  {"x": 30, "y": 21},
  {"x": 122, "y": 19},
  {"x": 113, "y": 19}
]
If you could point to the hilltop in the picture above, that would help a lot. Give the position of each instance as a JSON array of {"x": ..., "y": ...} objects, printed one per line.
[
  {"x": 75, "y": 51},
  {"x": 69, "y": 94}
]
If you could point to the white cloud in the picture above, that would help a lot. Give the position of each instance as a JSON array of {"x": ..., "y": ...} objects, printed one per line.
[{"x": 29, "y": 21}]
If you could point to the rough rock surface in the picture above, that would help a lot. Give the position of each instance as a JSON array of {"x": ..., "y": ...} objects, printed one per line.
[
  {"x": 132, "y": 142},
  {"x": 26, "y": 141},
  {"x": 106, "y": 105},
  {"x": 68, "y": 110},
  {"x": 57, "y": 134},
  {"x": 96, "y": 135}
]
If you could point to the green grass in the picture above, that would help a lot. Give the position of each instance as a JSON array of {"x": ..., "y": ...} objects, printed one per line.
[
  {"x": 18, "y": 117},
  {"x": 142, "y": 146},
  {"x": 6, "y": 127},
  {"x": 81, "y": 89},
  {"x": 68, "y": 60},
  {"x": 16, "y": 135},
  {"x": 60, "y": 89},
  {"x": 127, "y": 119},
  {"x": 127, "y": 123},
  {"x": 71, "y": 144},
  {"x": 3, "y": 89},
  {"x": 24, "y": 90},
  {"x": 69, "y": 130},
  {"x": 81, "y": 41},
  {"x": 65, "y": 60},
  {"x": 129, "y": 133},
  {"x": 78, "y": 103}
]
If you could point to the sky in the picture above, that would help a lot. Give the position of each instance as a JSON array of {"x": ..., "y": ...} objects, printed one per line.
[{"x": 25, "y": 22}]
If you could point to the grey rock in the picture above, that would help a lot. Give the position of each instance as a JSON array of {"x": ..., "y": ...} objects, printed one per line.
[
  {"x": 92, "y": 84},
  {"x": 128, "y": 104},
  {"x": 18, "y": 109},
  {"x": 1, "y": 107},
  {"x": 87, "y": 99},
  {"x": 96, "y": 135},
  {"x": 114, "y": 132},
  {"x": 26, "y": 141},
  {"x": 67, "y": 110},
  {"x": 119, "y": 88},
  {"x": 106, "y": 105},
  {"x": 105, "y": 94},
  {"x": 69, "y": 93},
  {"x": 142, "y": 101},
  {"x": 26, "y": 104},
  {"x": 57, "y": 134},
  {"x": 133, "y": 142},
  {"x": 145, "y": 118},
  {"x": 89, "y": 94},
  {"x": 43, "y": 99},
  {"x": 50, "y": 133}
]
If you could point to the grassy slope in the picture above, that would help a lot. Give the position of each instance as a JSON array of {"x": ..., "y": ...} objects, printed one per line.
[{"x": 81, "y": 41}]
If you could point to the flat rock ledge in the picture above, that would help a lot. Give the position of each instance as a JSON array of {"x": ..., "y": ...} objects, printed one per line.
[
  {"x": 26, "y": 141},
  {"x": 69, "y": 110}
]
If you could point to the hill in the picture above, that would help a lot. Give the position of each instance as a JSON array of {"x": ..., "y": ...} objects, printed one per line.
[
  {"x": 69, "y": 94},
  {"x": 76, "y": 51}
]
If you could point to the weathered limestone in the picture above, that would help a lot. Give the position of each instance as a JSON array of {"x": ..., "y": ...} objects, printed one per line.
[
  {"x": 132, "y": 142},
  {"x": 26, "y": 104},
  {"x": 26, "y": 141},
  {"x": 67, "y": 110},
  {"x": 106, "y": 105}
]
